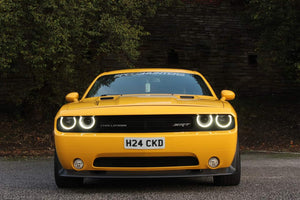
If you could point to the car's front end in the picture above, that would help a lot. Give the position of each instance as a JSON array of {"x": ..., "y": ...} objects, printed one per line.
[{"x": 146, "y": 135}]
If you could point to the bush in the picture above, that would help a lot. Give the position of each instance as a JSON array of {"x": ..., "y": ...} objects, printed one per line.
[
  {"x": 54, "y": 45},
  {"x": 276, "y": 26}
]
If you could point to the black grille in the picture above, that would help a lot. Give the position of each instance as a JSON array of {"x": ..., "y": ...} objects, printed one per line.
[
  {"x": 145, "y": 161},
  {"x": 145, "y": 123}
]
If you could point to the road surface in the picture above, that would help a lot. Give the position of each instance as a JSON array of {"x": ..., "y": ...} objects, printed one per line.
[{"x": 264, "y": 176}]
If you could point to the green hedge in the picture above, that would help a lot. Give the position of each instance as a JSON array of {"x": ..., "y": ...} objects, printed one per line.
[
  {"x": 58, "y": 45},
  {"x": 276, "y": 25}
]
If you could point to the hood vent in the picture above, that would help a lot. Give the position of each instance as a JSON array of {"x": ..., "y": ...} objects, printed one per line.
[
  {"x": 187, "y": 97},
  {"x": 106, "y": 98}
]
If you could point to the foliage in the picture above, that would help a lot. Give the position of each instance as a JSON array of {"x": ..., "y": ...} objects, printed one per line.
[
  {"x": 53, "y": 44},
  {"x": 276, "y": 24}
]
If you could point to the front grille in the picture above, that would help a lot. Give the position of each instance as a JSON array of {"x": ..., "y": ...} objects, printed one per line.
[
  {"x": 145, "y": 161},
  {"x": 145, "y": 123}
]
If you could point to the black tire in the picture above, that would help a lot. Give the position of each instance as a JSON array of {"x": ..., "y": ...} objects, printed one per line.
[
  {"x": 64, "y": 182},
  {"x": 234, "y": 179}
]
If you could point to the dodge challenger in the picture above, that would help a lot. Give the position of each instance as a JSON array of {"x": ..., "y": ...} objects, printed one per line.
[{"x": 147, "y": 123}]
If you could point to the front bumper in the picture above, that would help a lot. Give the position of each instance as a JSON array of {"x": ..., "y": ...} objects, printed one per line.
[
  {"x": 202, "y": 145},
  {"x": 148, "y": 174}
]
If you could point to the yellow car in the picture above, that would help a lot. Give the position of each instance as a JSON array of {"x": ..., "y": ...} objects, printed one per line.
[{"x": 147, "y": 123}]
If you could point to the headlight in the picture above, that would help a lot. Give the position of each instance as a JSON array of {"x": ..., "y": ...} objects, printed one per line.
[
  {"x": 76, "y": 123},
  {"x": 87, "y": 122},
  {"x": 223, "y": 121},
  {"x": 204, "y": 121},
  {"x": 67, "y": 123},
  {"x": 215, "y": 122}
]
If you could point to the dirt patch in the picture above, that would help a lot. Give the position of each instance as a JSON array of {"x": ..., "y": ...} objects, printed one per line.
[
  {"x": 269, "y": 123},
  {"x": 25, "y": 137}
]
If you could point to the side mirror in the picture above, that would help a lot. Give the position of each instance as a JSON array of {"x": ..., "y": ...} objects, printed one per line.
[
  {"x": 72, "y": 97},
  {"x": 227, "y": 95}
]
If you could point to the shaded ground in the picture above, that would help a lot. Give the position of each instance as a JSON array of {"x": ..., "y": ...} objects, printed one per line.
[{"x": 265, "y": 123}]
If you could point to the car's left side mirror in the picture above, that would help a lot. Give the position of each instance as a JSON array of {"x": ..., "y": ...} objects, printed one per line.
[
  {"x": 72, "y": 97},
  {"x": 227, "y": 95}
]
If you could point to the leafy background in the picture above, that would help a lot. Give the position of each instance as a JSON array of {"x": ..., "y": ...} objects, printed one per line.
[{"x": 56, "y": 44}]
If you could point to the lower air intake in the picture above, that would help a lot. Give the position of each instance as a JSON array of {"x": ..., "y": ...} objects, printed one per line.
[{"x": 145, "y": 161}]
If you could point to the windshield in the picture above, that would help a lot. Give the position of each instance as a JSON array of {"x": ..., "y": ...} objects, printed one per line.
[{"x": 149, "y": 83}]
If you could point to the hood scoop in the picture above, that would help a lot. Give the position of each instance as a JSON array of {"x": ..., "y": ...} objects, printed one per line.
[
  {"x": 106, "y": 98},
  {"x": 187, "y": 97}
]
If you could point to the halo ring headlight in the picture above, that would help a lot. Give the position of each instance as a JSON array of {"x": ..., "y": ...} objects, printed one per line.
[
  {"x": 224, "y": 125},
  {"x": 205, "y": 124},
  {"x": 83, "y": 124},
  {"x": 67, "y": 127}
]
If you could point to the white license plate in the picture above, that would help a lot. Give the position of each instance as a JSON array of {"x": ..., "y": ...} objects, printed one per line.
[{"x": 144, "y": 143}]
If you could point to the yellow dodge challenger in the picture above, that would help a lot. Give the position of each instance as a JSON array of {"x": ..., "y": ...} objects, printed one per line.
[{"x": 147, "y": 123}]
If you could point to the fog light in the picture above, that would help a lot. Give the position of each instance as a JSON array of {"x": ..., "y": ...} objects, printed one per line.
[
  {"x": 213, "y": 162},
  {"x": 78, "y": 163}
]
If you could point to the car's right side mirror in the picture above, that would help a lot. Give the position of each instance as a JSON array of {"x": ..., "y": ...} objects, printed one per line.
[{"x": 227, "y": 95}]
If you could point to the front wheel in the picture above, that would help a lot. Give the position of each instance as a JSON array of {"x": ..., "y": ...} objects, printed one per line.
[
  {"x": 64, "y": 182},
  {"x": 234, "y": 179}
]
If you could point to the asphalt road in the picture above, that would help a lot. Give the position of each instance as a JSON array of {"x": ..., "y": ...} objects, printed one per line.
[{"x": 264, "y": 176}]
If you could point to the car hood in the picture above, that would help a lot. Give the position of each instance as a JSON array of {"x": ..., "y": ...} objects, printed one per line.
[
  {"x": 146, "y": 105},
  {"x": 146, "y": 100}
]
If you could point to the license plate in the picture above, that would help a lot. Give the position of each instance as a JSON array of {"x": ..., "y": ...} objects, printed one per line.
[{"x": 144, "y": 143}]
